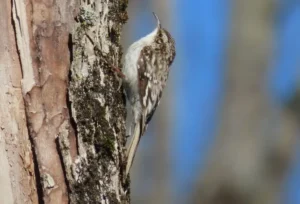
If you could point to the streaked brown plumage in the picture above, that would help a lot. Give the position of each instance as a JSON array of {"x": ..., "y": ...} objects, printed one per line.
[{"x": 146, "y": 70}]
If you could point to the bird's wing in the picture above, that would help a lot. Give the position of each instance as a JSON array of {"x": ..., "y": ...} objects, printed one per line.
[{"x": 153, "y": 74}]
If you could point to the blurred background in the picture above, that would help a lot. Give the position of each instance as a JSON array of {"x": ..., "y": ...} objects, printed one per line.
[{"x": 227, "y": 128}]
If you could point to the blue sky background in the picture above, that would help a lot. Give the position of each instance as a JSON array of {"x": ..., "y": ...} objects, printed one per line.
[
  {"x": 201, "y": 33},
  {"x": 201, "y": 37},
  {"x": 200, "y": 28}
]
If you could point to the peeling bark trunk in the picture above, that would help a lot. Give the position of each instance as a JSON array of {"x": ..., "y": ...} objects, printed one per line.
[
  {"x": 17, "y": 176},
  {"x": 77, "y": 137}
]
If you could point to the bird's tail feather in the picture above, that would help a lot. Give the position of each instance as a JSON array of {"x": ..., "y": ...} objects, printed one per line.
[{"x": 133, "y": 147}]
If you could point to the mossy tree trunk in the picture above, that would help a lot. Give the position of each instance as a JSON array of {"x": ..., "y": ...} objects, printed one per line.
[
  {"x": 60, "y": 96},
  {"x": 97, "y": 175}
]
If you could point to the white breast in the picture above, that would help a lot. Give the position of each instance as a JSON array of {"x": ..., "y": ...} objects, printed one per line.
[{"x": 130, "y": 65}]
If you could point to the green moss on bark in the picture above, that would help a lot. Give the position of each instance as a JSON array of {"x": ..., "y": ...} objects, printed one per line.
[{"x": 98, "y": 107}]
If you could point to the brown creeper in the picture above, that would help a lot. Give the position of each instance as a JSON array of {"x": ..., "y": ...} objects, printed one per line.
[{"x": 146, "y": 69}]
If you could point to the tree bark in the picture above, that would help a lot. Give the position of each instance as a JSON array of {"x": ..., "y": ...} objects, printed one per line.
[
  {"x": 74, "y": 119},
  {"x": 17, "y": 176},
  {"x": 97, "y": 107}
]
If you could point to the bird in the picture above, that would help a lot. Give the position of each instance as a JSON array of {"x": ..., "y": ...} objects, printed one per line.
[{"x": 146, "y": 69}]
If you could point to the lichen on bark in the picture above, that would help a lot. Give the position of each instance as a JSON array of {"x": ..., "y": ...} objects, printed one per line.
[{"x": 97, "y": 106}]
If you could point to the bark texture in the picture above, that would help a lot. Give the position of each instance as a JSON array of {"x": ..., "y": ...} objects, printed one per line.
[
  {"x": 77, "y": 137},
  {"x": 97, "y": 174},
  {"x": 42, "y": 33},
  {"x": 17, "y": 178},
  {"x": 255, "y": 142}
]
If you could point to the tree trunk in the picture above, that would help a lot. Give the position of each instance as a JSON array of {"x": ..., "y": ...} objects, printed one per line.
[
  {"x": 60, "y": 96},
  {"x": 17, "y": 175},
  {"x": 255, "y": 142}
]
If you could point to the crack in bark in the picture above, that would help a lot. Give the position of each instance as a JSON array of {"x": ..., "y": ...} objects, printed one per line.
[{"x": 14, "y": 18}]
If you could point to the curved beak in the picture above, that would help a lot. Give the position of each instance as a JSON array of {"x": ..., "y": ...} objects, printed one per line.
[{"x": 157, "y": 20}]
